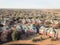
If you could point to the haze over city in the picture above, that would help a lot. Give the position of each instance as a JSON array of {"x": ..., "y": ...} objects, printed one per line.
[{"x": 30, "y": 4}]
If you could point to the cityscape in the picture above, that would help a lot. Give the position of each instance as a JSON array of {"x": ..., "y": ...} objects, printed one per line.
[{"x": 30, "y": 26}]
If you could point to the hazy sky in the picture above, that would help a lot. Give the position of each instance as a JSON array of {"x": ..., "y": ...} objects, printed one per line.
[{"x": 34, "y": 4}]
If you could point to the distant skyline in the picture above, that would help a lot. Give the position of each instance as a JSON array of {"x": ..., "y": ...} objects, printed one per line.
[{"x": 30, "y": 4}]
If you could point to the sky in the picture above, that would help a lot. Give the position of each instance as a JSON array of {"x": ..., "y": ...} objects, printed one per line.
[{"x": 30, "y": 4}]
